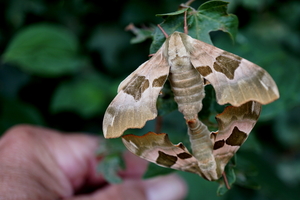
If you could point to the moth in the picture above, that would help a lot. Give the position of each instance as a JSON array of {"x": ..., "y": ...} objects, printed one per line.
[{"x": 190, "y": 64}]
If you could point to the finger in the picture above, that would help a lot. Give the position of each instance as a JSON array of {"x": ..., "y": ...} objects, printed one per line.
[
  {"x": 170, "y": 187},
  {"x": 63, "y": 161},
  {"x": 135, "y": 166},
  {"x": 76, "y": 155},
  {"x": 27, "y": 166},
  {"x": 165, "y": 187}
]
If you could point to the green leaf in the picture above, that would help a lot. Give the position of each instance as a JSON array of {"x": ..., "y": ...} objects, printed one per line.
[
  {"x": 210, "y": 16},
  {"x": 109, "y": 167},
  {"x": 86, "y": 95},
  {"x": 44, "y": 50},
  {"x": 112, "y": 162},
  {"x": 213, "y": 16}
]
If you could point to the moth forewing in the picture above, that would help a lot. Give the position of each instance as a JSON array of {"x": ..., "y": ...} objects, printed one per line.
[
  {"x": 235, "y": 79},
  {"x": 135, "y": 102}
]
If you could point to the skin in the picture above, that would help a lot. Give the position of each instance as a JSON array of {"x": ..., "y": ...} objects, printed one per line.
[{"x": 40, "y": 163}]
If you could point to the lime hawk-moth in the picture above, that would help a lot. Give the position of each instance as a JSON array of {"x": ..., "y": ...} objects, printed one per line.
[{"x": 187, "y": 63}]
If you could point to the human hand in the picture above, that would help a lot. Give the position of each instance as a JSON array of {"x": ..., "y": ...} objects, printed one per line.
[{"x": 40, "y": 163}]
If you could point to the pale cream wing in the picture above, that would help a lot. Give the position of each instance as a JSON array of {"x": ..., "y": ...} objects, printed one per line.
[
  {"x": 135, "y": 102},
  {"x": 235, "y": 79},
  {"x": 235, "y": 124},
  {"x": 158, "y": 149}
]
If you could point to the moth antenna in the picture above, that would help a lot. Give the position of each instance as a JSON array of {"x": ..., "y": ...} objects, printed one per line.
[
  {"x": 158, "y": 124},
  {"x": 185, "y": 23},
  {"x": 225, "y": 180},
  {"x": 163, "y": 31}
]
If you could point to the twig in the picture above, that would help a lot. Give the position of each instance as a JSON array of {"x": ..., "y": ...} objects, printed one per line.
[
  {"x": 225, "y": 180},
  {"x": 158, "y": 124},
  {"x": 163, "y": 31}
]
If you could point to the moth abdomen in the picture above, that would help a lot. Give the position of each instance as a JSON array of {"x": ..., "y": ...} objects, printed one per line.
[
  {"x": 199, "y": 134},
  {"x": 188, "y": 88},
  {"x": 202, "y": 148}
]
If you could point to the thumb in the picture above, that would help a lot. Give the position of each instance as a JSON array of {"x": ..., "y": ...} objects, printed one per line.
[{"x": 169, "y": 187}]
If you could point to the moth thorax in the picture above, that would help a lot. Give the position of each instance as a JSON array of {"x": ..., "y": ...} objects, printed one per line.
[
  {"x": 176, "y": 47},
  {"x": 188, "y": 88}
]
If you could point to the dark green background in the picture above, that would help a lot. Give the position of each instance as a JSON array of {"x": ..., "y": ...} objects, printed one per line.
[{"x": 61, "y": 63}]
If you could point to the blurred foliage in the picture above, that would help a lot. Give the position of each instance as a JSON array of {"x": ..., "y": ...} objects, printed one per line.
[
  {"x": 61, "y": 63},
  {"x": 44, "y": 50},
  {"x": 111, "y": 161}
]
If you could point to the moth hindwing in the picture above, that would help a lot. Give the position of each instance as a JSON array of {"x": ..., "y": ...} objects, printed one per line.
[{"x": 211, "y": 150}]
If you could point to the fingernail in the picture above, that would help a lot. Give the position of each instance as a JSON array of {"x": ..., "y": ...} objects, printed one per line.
[{"x": 170, "y": 187}]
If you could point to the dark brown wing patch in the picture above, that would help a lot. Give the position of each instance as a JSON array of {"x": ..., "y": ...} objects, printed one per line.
[
  {"x": 219, "y": 144},
  {"x": 137, "y": 86},
  {"x": 236, "y": 138},
  {"x": 227, "y": 63},
  {"x": 159, "y": 82},
  {"x": 204, "y": 70},
  {"x": 184, "y": 155},
  {"x": 166, "y": 159}
]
